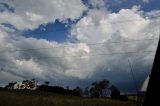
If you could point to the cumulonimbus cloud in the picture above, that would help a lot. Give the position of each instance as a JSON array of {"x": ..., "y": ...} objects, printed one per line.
[{"x": 96, "y": 33}]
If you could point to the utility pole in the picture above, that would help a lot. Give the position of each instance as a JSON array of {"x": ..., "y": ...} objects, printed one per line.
[
  {"x": 153, "y": 89},
  {"x": 132, "y": 75},
  {"x": 134, "y": 81}
]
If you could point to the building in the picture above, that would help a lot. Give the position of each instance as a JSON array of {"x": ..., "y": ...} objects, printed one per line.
[{"x": 26, "y": 84}]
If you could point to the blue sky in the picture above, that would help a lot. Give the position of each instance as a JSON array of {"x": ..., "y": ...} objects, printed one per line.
[
  {"x": 127, "y": 4},
  {"x": 52, "y": 31},
  {"x": 57, "y": 31}
]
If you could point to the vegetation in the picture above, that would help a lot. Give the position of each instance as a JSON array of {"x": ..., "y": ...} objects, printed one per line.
[
  {"x": 133, "y": 98},
  {"x": 100, "y": 93},
  {"x": 98, "y": 87},
  {"x": 39, "y": 98},
  {"x": 115, "y": 93}
]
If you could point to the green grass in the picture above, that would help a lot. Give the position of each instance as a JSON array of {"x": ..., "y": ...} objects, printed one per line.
[
  {"x": 30, "y": 98},
  {"x": 133, "y": 98}
]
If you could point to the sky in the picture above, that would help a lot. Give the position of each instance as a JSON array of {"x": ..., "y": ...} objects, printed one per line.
[{"x": 78, "y": 42}]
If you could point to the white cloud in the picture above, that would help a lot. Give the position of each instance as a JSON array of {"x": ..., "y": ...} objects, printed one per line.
[
  {"x": 30, "y": 14},
  {"x": 100, "y": 26},
  {"x": 8, "y": 77},
  {"x": 146, "y": 1},
  {"x": 98, "y": 3},
  {"x": 34, "y": 17},
  {"x": 64, "y": 62},
  {"x": 155, "y": 14},
  {"x": 104, "y": 27},
  {"x": 54, "y": 63}
]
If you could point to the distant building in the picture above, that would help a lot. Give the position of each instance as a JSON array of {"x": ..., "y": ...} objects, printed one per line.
[
  {"x": 26, "y": 84},
  {"x": 106, "y": 93}
]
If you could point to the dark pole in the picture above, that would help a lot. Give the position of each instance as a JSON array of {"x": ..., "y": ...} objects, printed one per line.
[{"x": 153, "y": 90}]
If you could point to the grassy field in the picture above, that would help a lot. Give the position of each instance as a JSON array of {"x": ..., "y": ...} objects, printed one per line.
[
  {"x": 29, "y": 98},
  {"x": 132, "y": 98}
]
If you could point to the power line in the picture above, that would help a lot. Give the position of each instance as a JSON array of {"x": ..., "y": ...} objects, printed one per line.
[
  {"x": 118, "y": 53},
  {"x": 49, "y": 65},
  {"x": 81, "y": 56},
  {"x": 62, "y": 29},
  {"x": 116, "y": 22},
  {"x": 91, "y": 44}
]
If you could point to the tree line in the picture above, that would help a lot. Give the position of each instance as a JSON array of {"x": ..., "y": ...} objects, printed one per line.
[{"x": 99, "y": 89}]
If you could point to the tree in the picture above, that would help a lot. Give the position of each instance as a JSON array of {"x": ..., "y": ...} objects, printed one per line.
[
  {"x": 67, "y": 87},
  {"x": 46, "y": 83},
  {"x": 10, "y": 85},
  {"x": 86, "y": 91},
  {"x": 115, "y": 93},
  {"x": 98, "y": 87},
  {"x": 94, "y": 92},
  {"x": 77, "y": 91}
]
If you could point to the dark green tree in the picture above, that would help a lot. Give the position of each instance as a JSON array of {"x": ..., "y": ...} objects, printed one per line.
[
  {"x": 10, "y": 85},
  {"x": 46, "y": 83},
  {"x": 115, "y": 93},
  {"x": 86, "y": 91},
  {"x": 98, "y": 87},
  {"x": 77, "y": 91}
]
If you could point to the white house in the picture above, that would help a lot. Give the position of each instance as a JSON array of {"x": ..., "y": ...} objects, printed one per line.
[{"x": 26, "y": 84}]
